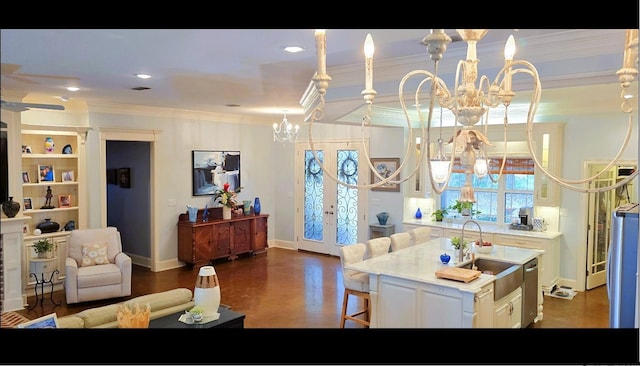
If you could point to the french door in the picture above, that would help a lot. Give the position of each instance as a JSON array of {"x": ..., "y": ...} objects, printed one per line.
[
  {"x": 328, "y": 214},
  {"x": 601, "y": 206}
]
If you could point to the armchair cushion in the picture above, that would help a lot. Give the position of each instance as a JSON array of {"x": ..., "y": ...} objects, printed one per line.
[
  {"x": 110, "y": 235},
  {"x": 94, "y": 253}
]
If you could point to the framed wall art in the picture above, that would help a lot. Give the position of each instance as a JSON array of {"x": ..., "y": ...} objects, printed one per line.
[
  {"x": 124, "y": 177},
  {"x": 211, "y": 169},
  {"x": 385, "y": 167},
  {"x": 46, "y": 173}
]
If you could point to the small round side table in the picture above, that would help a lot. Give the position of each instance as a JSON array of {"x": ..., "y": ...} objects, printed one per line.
[{"x": 42, "y": 266}]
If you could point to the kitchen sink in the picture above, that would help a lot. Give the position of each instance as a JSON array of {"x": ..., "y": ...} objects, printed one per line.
[{"x": 509, "y": 276}]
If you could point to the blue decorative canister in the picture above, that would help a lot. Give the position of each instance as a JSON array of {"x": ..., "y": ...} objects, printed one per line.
[{"x": 256, "y": 206}]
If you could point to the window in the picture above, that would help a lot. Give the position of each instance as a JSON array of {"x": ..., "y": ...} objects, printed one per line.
[{"x": 496, "y": 202}]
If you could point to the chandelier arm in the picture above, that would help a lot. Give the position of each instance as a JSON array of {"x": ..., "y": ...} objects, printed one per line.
[
  {"x": 437, "y": 82},
  {"x": 569, "y": 183},
  {"x": 317, "y": 114},
  {"x": 504, "y": 154},
  {"x": 365, "y": 122}
]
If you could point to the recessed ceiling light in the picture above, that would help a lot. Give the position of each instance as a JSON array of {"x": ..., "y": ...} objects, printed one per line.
[
  {"x": 293, "y": 49},
  {"x": 143, "y": 76},
  {"x": 64, "y": 98},
  {"x": 72, "y": 88}
]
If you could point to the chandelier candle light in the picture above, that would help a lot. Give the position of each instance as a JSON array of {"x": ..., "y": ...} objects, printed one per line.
[{"x": 470, "y": 102}]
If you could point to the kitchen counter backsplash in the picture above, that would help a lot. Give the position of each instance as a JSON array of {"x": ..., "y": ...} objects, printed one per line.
[{"x": 486, "y": 228}]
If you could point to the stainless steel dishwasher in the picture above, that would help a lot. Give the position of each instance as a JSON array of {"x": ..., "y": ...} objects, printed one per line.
[{"x": 530, "y": 292}]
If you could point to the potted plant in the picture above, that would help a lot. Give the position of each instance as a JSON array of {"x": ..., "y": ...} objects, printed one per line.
[
  {"x": 42, "y": 246},
  {"x": 464, "y": 208},
  {"x": 439, "y": 214},
  {"x": 196, "y": 313}
]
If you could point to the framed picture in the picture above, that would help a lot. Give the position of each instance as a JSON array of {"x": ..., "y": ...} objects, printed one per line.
[
  {"x": 27, "y": 204},
  {"x": 47, "y": 321},
  {"x": 25, "y": 229},
  {"x": 124, "y": 177},
  {"x": 385, "y": 167},
  {"x": 46, "y": 173},
  {"x": 68, "y": 176},
  {"x": 212, "y": 169},
  {"x": 64, "y": 200},
  {"x": 25, "y": 177}
]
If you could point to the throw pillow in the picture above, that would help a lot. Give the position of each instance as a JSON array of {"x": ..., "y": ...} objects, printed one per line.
[{"x": 94, "y": 253}]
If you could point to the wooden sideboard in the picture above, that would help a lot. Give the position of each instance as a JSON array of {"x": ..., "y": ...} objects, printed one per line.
[{"x": 201, "y": 242}]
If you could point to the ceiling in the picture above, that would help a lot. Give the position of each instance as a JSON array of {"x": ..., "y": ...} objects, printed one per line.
[{"x": 209, "y": 70}]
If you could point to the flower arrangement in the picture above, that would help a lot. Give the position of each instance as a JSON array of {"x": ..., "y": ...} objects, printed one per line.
[{"x": 226, "y": 197}]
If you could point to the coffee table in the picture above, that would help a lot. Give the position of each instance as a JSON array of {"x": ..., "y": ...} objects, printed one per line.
[{"x": 228, "y": 319}]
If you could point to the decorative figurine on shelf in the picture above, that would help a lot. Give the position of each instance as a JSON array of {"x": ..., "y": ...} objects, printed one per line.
[
  {"x": 205, "y": 213},
  {"x": 47, "y": 202},
  {"x": 48, "y": 145}
]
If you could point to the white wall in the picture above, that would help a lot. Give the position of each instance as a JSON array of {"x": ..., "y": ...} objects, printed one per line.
[
  {"x": 267, "y": 169},
  {"x": 589, "y": 137}
]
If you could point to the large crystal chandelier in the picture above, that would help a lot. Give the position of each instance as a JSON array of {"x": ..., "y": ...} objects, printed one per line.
[{"x": 470, "y": 101}]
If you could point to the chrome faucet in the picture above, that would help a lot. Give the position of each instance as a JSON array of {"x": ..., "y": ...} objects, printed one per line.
[{"x": 461, "y": 250}]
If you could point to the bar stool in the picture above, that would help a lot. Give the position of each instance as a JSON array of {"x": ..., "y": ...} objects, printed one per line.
[
  {"x": 420, "y": 235},
  {"x": 355, "y": 284},
  {"x": 400, "y": 240},
  {"x": 377, "y": 246}
]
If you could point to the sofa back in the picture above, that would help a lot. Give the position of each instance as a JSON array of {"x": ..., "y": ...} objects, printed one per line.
[{"x": 161, "y": 303}]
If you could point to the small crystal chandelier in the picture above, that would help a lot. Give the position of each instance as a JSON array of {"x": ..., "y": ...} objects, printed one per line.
[
  {"x": 285, "y": 131},
  {"x": 470, "y": 101}
]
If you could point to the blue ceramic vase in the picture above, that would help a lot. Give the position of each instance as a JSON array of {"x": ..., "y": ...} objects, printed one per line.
[
  {"x": 418, "y": 214},
  {"x": 256, "y": 206},
  {"x": 383, "y": 217}
]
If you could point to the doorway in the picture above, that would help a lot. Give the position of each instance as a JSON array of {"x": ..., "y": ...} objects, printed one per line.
[
  {"x": 600, "y": 209},
  {"x": 329, "y": 214},
  {"x": 138, "y": 230}
]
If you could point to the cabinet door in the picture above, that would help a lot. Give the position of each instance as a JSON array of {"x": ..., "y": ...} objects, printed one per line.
[
  {"x": 260, "y": 241},
  {"x": 508, "y": 311},
  {"x": 548, "y": 147},
  {"x": 60, "y": 247},
  {"x": 241, "y": 238},
  {"x": 221, "y": 240},
  {"x": 202, "y": 243}
]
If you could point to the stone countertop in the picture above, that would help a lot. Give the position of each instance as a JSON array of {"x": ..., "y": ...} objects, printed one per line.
[
  {"x": 420, "y": 262},
  {"x": 486, "y": 228}
]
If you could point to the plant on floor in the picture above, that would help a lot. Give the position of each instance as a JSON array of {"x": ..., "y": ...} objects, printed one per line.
[{"x": 42, "y": 246}]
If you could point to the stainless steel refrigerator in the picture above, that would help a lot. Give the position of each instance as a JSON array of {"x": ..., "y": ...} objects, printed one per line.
[{"x": 622, "y": 267}]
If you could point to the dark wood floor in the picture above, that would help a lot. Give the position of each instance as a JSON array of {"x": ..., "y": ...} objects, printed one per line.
[{"x": 296, "y": 289}]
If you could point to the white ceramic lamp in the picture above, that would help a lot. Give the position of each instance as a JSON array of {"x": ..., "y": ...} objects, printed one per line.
[{"x": 207, "y": 291}]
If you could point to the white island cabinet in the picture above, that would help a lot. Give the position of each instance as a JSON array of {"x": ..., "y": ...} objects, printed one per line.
[{"x": 405, "y": 292}]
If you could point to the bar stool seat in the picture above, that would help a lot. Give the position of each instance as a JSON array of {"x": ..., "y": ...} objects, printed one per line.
[{"x": 355, "y": 284}]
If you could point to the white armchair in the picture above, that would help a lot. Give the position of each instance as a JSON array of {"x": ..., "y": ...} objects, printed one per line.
[{"x": 96, "y": 267}]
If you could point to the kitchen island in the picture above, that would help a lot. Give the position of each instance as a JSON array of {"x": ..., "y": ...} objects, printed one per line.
[{"x": 405, "y": 292}]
